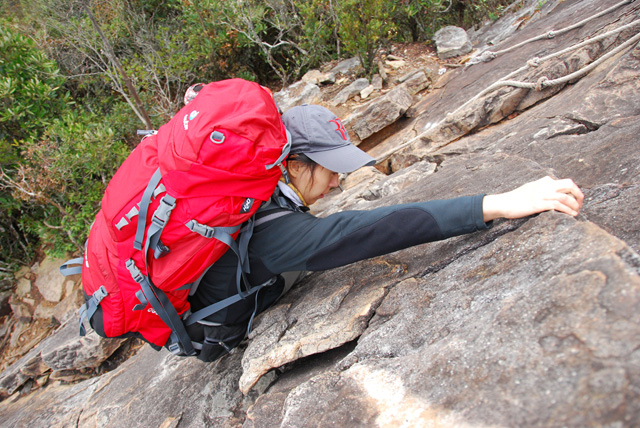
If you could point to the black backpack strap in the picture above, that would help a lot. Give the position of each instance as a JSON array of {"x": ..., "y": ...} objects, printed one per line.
[
  {"x": 267, "y": 212},
  {"x": 218, "y": 306},
  {"x": 165, "y": 310}
]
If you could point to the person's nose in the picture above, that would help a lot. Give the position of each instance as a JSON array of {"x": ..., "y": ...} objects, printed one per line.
[{"x": 335, "y": 181}]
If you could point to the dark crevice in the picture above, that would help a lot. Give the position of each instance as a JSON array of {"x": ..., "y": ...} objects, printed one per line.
[
  {"x": 78, "y": 418},
  {"x": 129, "y": 348},
  {"x": 589, "y": 125},
  {"x": 439, "y": 159},
  {"x": 327, "y": 358},
  {"x": 388, "y": 131},
  {"x": 580, "y": 131},
  {"x": 631, "y": 258}
]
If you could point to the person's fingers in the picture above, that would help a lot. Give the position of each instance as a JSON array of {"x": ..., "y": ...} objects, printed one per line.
[
  {"x": 556, "y": 205},
  {"x": 569, "y": 201},
  {"x": 569, "y": 187},
  {"x": 543, "y": 194}
]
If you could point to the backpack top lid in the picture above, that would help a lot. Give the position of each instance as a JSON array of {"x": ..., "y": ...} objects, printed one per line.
[{"x": 227, "y": 136}]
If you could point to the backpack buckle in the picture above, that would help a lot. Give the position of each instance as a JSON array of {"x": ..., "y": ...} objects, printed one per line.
[
  {"x": 162, "y": 213},
  {"x": 161, "y": 250},
  {"x": 134, "y": 271},
  {"x": 91, "y": 306},
  {"x": 201, "y": 229},
  {"x": 175, "y": 349},
  {"x": 100, "y": 294}
]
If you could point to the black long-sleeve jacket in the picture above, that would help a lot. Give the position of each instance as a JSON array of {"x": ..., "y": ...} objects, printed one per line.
[{"x": 299, "y": 241}]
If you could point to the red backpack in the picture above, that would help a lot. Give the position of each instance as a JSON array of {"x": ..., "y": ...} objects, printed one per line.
[{"x": 174, "y": 207}]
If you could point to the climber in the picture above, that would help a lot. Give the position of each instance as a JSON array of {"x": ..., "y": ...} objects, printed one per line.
[{"x": 287, "y": 240}]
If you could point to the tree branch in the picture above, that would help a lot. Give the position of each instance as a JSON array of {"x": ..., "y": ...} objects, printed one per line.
[{"x": 116, "y": 62}]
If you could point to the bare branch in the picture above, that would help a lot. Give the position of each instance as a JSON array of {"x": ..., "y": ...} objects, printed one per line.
[
  {"x": 18, "y": 239},
  {"x": 12, "y": 184},
  {"x": 24, "y": 188},
  {"x": 51, "y": 226},
  {"x": 116, "y": 62},
  {"x": 447, "y": 9}
]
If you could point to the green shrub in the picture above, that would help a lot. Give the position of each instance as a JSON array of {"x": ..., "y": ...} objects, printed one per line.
[
  {"x": 31, "y": 97},
  {"x": 418, "y": 20},
  {"x": 30, "y": 91},
  {"x": 364, "y": 26},
  {"x": 65, "y": 174}
]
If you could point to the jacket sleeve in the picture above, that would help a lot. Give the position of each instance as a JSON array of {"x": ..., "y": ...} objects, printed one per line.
[{"x": 300, "y": 241}]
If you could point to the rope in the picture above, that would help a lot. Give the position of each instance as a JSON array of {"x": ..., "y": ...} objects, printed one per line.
[
  {"x": 543, "y": 82},
  {"x": 489, "y": 55},
  {"x": 536, "y": 61}
]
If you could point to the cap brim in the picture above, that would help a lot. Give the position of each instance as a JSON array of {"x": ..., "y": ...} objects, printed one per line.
[{"x": 342, "y": 159}]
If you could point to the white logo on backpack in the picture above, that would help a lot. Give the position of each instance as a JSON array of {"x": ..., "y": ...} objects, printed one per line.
[
  {"x": 246, "y": 206},
  {"x": 188, "y": 117}
]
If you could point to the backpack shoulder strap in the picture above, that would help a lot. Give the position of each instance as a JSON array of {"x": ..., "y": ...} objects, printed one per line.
[
  {"x": 266, "y": 213},
  {"x": 271, "y": 215},
  {"x": 274, "y": 208}
]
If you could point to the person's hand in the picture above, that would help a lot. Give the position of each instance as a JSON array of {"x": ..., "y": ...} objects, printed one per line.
[{"x": 534, "y": 197}]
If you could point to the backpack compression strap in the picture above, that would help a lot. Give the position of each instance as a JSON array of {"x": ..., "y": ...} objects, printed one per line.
[
  {"x": 266, "y": 213},
  {"x": 90, "y": 307},
  {"x": 218, "y": 306},
  {"x": 74, "y": 267},
  {"x": 165, "y": 310},
  {"x": 66, "y": 269},
  {"x": 149, "y": 293},
  {"x": 144, "y": 207}
]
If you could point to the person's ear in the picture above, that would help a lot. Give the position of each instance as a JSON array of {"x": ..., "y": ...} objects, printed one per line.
[{"x": 295, "y": 168}]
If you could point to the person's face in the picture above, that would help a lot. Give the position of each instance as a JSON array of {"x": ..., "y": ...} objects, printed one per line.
[{"x": 312, "y": 186}]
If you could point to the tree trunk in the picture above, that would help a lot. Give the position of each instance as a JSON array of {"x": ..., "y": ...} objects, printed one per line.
[{"x": 116, "y": 62}]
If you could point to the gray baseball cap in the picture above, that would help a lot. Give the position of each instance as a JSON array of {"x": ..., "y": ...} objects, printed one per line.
[{"x": 320, "y": 135}]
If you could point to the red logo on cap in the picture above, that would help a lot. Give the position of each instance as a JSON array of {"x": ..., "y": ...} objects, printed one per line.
[{"x": 340, "y": 127}]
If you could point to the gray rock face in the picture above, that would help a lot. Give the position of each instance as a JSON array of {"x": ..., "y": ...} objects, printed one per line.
[
  {"x": 347, "y": 66},
  {"x": 317, "y": 77},
  {"x": 297, "y": 94},
  {"x": 534, "y": 322},
  {"x": 151, "y": 389},
  {"x": 286, "y": 336},
  {"x": 68, "y": 351},
  {"x": 384, "y": 111},
  {"x": 50, "y": 283},
  {"x": 64, "y": 354},
  {"x": 350, "y": 91},
  {"x": 455, "y": 354},
  {"x": 452, "y": 41}
]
